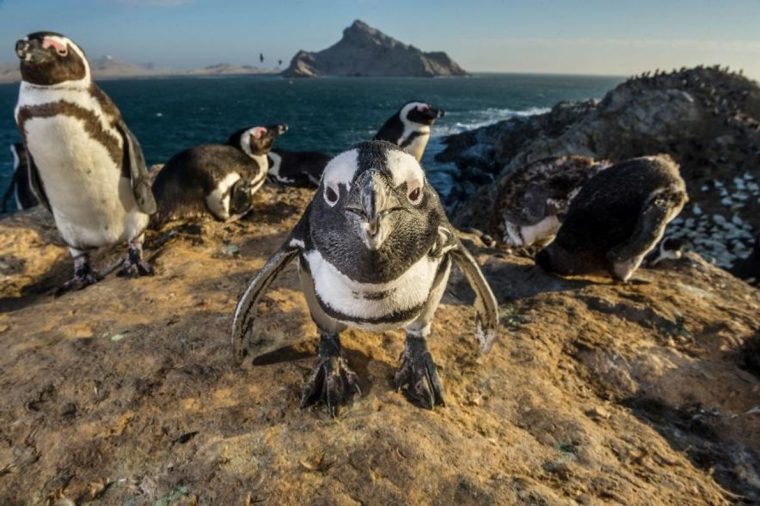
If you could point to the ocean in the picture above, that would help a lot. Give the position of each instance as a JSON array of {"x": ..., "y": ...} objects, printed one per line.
[{"x": 330, "y": 114}]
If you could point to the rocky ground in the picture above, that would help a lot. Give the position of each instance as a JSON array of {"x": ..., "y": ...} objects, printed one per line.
[
  {"x": 126, "y": 392},
  {"x": 707, "y": 119}
]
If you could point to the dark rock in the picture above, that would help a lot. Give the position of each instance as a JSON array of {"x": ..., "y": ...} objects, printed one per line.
[
  {"x": 366, "y": 51},
  {"x": 704, "y": 118}
]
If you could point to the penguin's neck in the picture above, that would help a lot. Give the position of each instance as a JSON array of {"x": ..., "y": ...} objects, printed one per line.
[
  {"x": 413, "y": 131},
  {"x": 261, "y": 160},
  {"x": 79, "y": 86}
]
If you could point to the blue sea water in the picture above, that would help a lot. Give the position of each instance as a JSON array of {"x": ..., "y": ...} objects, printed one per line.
[{"x": 330, "y": 114}]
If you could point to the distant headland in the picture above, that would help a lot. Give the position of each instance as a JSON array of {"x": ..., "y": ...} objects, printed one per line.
[
  {"x": 368, "y": 52},
  {"x": 107, "y": 67}
]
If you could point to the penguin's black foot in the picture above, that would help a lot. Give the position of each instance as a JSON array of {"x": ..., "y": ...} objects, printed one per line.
[
  {"x": 134, "y": 265},
  {"x": 134, "y": 270},
  {"x": 418, "y": 377},
  {"x": 83, "y": 276},
  {"x": 331, "y": 382},
  {"x": 78, "y": 282}
]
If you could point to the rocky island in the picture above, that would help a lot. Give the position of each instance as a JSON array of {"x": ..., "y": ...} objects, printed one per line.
[{"x": 368, "y": 52}]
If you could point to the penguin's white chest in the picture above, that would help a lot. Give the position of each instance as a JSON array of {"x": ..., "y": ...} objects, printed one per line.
[
  {"x": 92, "y": 204},
  {"x": 361, "y": 302},
  {"x": 417, "y": 146}
]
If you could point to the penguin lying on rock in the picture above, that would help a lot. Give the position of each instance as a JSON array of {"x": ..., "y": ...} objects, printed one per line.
[
  {"x": 410, "y": 127},
  {"x": 215, "y": 178},
  {"x": 374, "y": 250},
  {"x": 297, "y": 168},
  {"x": 535, "y": 199},
  {"x": 85, "y": 165},
  {"x": 617, "y": 218},
  {"x": 20, "y": 186}
]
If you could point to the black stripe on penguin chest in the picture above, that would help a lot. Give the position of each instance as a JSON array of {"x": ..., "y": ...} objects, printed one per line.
[
  {"x": 88, "y": 118},
  {"x": 372, "y": 298}
]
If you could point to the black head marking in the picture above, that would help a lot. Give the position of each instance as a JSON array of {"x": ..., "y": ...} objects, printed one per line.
[
  {"x": 420, "y": 112},
  {"x": 374, "y": 232},
  {"x": 257, "y": 140},
  {"x": 49, "y": 58}
]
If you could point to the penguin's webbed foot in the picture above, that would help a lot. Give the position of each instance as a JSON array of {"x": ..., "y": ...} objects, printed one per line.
[
  {"x": 78, "y": 282},
  {"x": 83, "y": 275},
  {"x": 418, "y": 376},
  {"x": 331, "y": 382},
  {"x": 134, "y": 265}
]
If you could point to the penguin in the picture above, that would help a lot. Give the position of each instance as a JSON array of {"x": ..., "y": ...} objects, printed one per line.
[
  {"x": 374, "y": 250},
  {"x": 296, "y": 168},
  {"x": 219, "y": 179},
  {"x": 535, "y": 198},
  {"x": 748, "y": 268},
  {"x": 20, "y": 186},
  {"x": 410, "y": 127},
  {"x": 85, "y": 165},
  {"x": 617, "y": 218}
]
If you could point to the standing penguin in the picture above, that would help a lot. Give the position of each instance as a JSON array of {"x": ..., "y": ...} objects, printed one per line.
[
  {"x": 85, "y": 165},
  {"x": 216, "y": 178},
  {"x": 617, "y": 218},
  {"x": 410, "y": 127},
  {"x": 20, "y": 186},
  {"x": 374, "y": 249},
  {"x": 297, "y": 168}
]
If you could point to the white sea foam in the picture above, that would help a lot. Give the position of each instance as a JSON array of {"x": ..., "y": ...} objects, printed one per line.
[{"x": 442, "y": 175}]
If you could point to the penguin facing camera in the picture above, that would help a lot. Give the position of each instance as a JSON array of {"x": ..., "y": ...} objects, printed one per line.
[{"x": 374, "y": 249}]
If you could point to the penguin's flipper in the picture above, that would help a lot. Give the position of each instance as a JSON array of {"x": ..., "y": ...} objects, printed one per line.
[
  {"x": 138, "y": 171},
  {"x": 245, "y": 311},
  {"x": 486, "y": 307},
  {"x": 35, "y": 183},
  {"x": 9, "y": 192}
]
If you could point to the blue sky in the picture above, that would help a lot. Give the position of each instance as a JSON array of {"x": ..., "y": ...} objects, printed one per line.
[{"x": 591, "y": 36}]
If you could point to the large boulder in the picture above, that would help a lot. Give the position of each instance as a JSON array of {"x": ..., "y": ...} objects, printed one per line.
[{"x": 706, "y": 118}]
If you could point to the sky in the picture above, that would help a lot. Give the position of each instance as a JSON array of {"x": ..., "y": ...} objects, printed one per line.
[{"x": 545, "y": 36}]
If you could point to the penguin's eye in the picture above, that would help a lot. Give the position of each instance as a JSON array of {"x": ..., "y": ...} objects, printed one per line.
[
  {"x": 62, "y": 51},
  {"x": 331, "y": 196},
  {"x": 415, "y": 194}
]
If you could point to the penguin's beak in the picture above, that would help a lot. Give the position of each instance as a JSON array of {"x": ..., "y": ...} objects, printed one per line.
[
  {"x": 31, "y": 51},
  {"x": 372, "y": 201},
  {"x": 436, "y": 113},
  {"x": 277, "y": 130}
]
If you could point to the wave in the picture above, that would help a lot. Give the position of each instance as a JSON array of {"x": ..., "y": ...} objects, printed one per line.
[
  {"x": 471, "y": 120},
  {"x": 443, "y": 175}
]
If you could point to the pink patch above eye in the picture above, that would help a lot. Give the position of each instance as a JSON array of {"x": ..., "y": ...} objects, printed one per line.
[
  {"x": 423, "y": 107},
  {"x": 59, "y": 46},
  {"x": 258, "y": 132}
]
